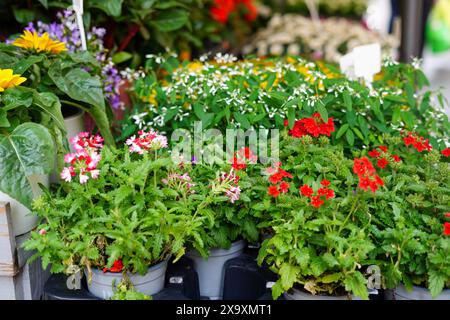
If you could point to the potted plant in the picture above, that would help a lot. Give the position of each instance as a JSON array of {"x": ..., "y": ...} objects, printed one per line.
[
  {"x": 411, "y": 222},
  {"x": 27, "y": 120},
  {"x": 110, "y": 218},
  {"x": 217, "y": 193},
  {"x": 49, "y": 67},
  {"x": 318, "y": 242}
]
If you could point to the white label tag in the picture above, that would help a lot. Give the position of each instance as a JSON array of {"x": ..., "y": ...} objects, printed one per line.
[
  {"x": 367, "y": 61},
  {"x": 346, "y": 64},
  {"x": 78, "y": 8}
]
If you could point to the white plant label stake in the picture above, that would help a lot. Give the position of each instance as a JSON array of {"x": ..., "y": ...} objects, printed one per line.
[
  {"x": 78, "y": 8},
  {"x": 362, "y": 62}
]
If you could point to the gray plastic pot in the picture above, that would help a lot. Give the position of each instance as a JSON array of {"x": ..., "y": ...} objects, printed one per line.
[
  {"x": 295, "y": 294},
  {"x": 418, "y": 293},
  {"x": 210, "y": 270},
  {"x": 151, "y": 283}
]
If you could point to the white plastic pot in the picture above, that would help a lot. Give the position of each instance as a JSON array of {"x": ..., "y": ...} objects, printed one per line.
[
  {"x": 151, "y": 283},
  {"x": 417, "y": 293},
  {"x": 74, "y": 123},
  {"x": 295, "y": 294},
  {"x": 22, "y": 219},
  {"x": 211, "y": 272}
]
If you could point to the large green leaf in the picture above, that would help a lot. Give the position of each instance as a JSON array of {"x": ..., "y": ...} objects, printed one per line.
[
  {"x": 49, "y": 104},
  {"x": 110, "y": 7},
  {"x": 28, "y": 150},
  {"x": 171, "y": 20},
  {"x": 78, "y": 84},
  {"x": 22, "y": 65}
]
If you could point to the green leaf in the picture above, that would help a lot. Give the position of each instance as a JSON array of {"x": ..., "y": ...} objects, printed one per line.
[
  {"x": 322, "y": 111},
  {"x": 347, "y": 100},
  {"x": 436, "y": 282},
  {"x": 110, "y": 7},
  {"x": 351, "y": 117},
  {"x": 28, "y": 150},
  {"x": 342, "y": 130},
  {"x": 242, "y": 119},
  {"x": 44, "y": 3},
  {"x": 4, "y": 119},
  {"x": 277, "y": 290},
  {"x": 358, "y": 133},
  {"x": 334, "y": 277},
  {"x": 23, "y": 15},
  {"x": 49, "y": 103},
  {"x": 350, "y": 137},
  {"x": 78, "y": 84},
  {"x": 363, "y": 126},
  {"x": 288, "y": 275},
  {"x": 121, "y": 56},
  {"x": 23, "y": 64},
  {"x": 170, "y": 20},
  {"x": 356, "y": 283}
]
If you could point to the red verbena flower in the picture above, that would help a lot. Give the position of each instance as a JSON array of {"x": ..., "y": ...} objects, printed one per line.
[
  {"x": 325, "y": 182},
  {"x": 446, "y": 152},
  {"x": 273, "y": 191},
  {"x": 382, "y": 163},
  {"x": 447, "y": 228},
  {"x": 396, "y": 158},
  {"x": 383, "y": 148},
  {"x": 284, "y": 187},
  {"x": 306, "y": 190},
  {"x": 313, "y": 126},
  {"x": 418, "y": 142},
  {"x": 322, "y": 192},
  {"x": 374, "y": 153},
  {"x": 116, "y": 267},
  {"x": 365, "y": 171},
  {"x": 316, "y": 201},
  {"x": 330, "y": 194},
  {"x": 447, "y": 214},
  {"x": 276, "y": 178}
]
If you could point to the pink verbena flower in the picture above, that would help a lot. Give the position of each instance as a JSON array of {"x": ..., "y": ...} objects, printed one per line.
[{"x": 146, "y": 141}]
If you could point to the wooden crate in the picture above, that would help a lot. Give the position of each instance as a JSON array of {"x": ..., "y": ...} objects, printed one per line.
[{"x": 18, "y": 279}]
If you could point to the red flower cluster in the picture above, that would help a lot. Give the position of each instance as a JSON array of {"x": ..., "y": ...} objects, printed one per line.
[
  {"x": 324, "y": 191},
  {"x": 382, "y": 162},
  {"x": 116, "y": 267},
  {"x": 276, "y": 178},
  {"x": 368, "y": 178},
  {"x": 447, "y": 228},
  {"x": 242, "y": 157},
  {"x": 446, "y": 152},
  {"x": 313, "y": 126},
  {"x": 417, "y": 142},
  {"x": 222, "y": 9}
]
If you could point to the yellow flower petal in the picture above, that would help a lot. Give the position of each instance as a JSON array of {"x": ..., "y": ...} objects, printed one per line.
[
  {"x": 9, "y": 80},
  {"x": 32, "y": 41}
]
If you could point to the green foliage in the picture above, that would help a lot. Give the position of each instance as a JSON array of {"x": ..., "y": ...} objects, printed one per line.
[
  {"x": 411, "y": 245},
  {"x": 28, "y": 150},
  {"x": 261, "y": 93},
  {"x": 52, "y": 80},
  {"x": 320, "y": 250}
]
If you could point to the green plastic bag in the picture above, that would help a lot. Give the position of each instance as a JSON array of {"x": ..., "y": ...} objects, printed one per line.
[{"x": 437, "y": 30}]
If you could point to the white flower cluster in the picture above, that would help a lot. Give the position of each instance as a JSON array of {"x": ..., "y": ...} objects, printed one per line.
[{"x": 329, "y": 40}]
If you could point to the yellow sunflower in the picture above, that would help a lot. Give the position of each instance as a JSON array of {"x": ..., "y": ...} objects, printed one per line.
[
  {"x": 32, "y": 41},
  {"x": 8, "y": 79}
]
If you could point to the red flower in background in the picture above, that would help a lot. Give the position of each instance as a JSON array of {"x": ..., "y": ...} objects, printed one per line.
[
  {"x": 316, "y": 201},
  {"x": 116, "y": 267},
  {"x": 396, "y": 158},
  {"x": 273, "y": 191},
  {"x": 382, "y": 163},
  {"x": 325, "y": 182},
  {"x": 306, "y": 190},
  {"x": 284, "y": 187},
  {"x": 374, "y": 153},
  {"x": 446, "y": 152},
  {"x": 222, "y": 9},
  {"x": 447, "y": 228},
  {"x": 383, "y": 148},
  {"x": 313, "y": 126},
  {"x": 418, "y": 142},
  {"x": 368, "y": 179}
]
